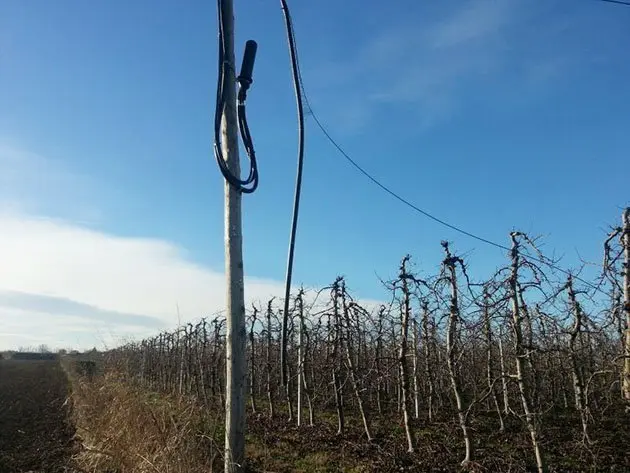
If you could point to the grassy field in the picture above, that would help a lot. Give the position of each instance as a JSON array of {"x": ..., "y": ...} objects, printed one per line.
[{"x": 35, "y": 432}]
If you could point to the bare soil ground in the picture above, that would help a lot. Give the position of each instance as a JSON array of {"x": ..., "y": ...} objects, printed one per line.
[
  {"x": 35, "y": 432},
  {"x": 281, "y": 448}
]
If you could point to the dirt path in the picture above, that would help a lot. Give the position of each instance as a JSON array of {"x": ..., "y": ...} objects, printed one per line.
[{"x": 35, "y": 433}]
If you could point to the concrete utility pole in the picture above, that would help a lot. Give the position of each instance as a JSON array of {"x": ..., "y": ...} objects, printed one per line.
[{"x": 235, "y": 337}]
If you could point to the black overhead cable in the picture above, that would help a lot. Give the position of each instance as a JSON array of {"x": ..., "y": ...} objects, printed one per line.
[
  {"x": 248, "y": 185},
  {"x": 618, "y": 2},
  {"x": 301, "y": 96},
  {"x": 415, "y": 207},
  {"x": 297, "y": 85},
  {"x": 424, "y": 212}
]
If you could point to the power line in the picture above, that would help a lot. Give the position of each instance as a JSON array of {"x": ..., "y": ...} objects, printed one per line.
[
  {"x": 302, "y": 94},
  {"x": 394, "y": 194},
  {"x": 427, "y": 214},
  {"x": 424, "y": 212},
  {"x": 618, "y": 2},
  {"x": 409, "y": 204}
]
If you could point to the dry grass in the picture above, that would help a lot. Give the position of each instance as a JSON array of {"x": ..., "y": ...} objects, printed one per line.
[{"x": 125, "y": 429}]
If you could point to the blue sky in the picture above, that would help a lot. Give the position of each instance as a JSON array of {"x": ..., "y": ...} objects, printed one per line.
[{"x": 493, "y": 115}]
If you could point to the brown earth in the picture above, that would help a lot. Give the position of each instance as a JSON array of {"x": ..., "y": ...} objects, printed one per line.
[{"x": 35, "y": 432}]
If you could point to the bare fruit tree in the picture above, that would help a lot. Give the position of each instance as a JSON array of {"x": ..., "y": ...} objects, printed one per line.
[{"x": 520, "y": 351}]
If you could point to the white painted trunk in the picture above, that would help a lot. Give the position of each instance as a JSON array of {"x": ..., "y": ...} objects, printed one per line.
[
  {"x": 490, "y": 362},
  {"x": 416, "y": 394},
  {"x": 452, "y": 352},
  {"x": 402, "y": 358},
  {"x": 427, "y": 359},
  {"x": 520, "y": 355},
  {"x": 578, "y": 381},
  {"x": 353, "y": 370},
  {"x": 300, "y": 367},
  {"x": 504, "y": 384}
]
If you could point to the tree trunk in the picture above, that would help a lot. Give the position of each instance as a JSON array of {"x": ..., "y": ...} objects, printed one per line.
[
  {"x": 351, "y": 364},
  {"x": 300, "y": 361},
  {"x": 377, "y": 361},
  {"x": 289, "y": 393},
  {"x": 452, "y": 350},
  {"x": 402, "y": 358},
  {"x": 578, "y": 381},
  {"x": 521, "y": 355},
  {"x": 252, "y": 361},
  {"x": 533, "y": 395},
  {"x": 428, "y": 373},
  {"x": 336, "y": 338},
  {"x": 490, "y": 359},
  {"x": 309, "y": 396},
  {"x": 416, "y": 395},
  {"x": 180, "y": 371},
  {"x": 504, "y": 377},
  {"x": 268, "y": 360}
]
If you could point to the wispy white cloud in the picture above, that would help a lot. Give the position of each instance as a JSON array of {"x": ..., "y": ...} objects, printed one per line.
[
  {"x": 65, "y": 284},
  {"x": 435, "y": 66},
  {"x": 477, "y": 21},
  {"x": 66, "y": 271}
]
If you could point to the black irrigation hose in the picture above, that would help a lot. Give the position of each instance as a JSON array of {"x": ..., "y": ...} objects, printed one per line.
[
  {"x": 249, "y": 185},
  {"x": 298, "y": 184}
]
